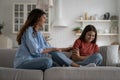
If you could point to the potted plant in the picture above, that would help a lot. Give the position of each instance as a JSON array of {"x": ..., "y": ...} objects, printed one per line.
[{"x": 77, "y": 30}]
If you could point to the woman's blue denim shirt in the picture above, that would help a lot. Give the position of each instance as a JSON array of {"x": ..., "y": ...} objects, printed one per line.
[{"x": 32, "y": 45}]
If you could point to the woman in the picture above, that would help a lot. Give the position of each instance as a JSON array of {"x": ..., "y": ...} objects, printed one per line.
[
  {"x": 85, "y": 48},
  {"x": 33, "y": 50}
]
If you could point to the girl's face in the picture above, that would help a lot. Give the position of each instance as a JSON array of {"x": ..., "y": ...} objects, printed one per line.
[
  {"x": 41, "y": 21},
  {"x": 90, "y": 36}
]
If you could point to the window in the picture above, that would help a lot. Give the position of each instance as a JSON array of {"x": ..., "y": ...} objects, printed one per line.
[{"x": 20, "y": 13}]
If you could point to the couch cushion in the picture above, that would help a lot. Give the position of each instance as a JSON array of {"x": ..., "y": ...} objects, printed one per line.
[
  {"x": 7, "y": 57},
  {"x": 83, "y": 73},
  {"x": 20, "y": 74}
]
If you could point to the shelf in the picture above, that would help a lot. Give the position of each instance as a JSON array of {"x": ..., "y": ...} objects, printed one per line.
[
  {"x": 101, "y": 34},
  {"x": 109, "y": 34},
  {"x": 95, "y": 20}
]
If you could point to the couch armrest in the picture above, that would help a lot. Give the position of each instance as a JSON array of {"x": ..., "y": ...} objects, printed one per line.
[
  {"x": 110, "y": 55},
  {"x": 7, "y": 57},
  {"x": 20, "y": 74}
]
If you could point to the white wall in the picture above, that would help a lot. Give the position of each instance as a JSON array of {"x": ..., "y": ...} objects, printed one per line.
[
  {"x": 6, "y": 10},
  {"x": 72, "y": 9},
  {"x": 119, "y": 16}
]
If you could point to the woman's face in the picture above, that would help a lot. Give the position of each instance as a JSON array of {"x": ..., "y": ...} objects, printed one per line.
[
  {"x": 41, "y": 21},
  {"x": 90, "y": 36}
]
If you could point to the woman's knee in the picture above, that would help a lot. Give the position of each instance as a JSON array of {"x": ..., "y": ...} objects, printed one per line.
[{"x": 48, "y": 62}]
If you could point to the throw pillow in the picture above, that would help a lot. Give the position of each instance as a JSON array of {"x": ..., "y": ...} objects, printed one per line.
[{"x": 110, "y": 55}]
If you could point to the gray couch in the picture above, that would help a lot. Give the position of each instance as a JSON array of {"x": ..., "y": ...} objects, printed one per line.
[{"x": 104, "y": 72}]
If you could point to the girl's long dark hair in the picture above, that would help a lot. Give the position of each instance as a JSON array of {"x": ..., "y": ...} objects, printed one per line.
[
  {"x": 32, "y": 18},
  {"x": 87, "y": 29}
]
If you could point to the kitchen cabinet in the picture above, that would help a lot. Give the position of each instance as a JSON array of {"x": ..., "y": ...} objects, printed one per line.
[{"x": 20, "y": 13}]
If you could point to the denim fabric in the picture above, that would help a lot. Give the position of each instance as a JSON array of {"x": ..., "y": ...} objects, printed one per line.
[
  {"x": 37, "y": 63},
  {"x": 95, "y": 58},
  {"x": 61, "y": 59},
  {"x": 42, "y": 63},
  {"x": 31, "y": 47}
]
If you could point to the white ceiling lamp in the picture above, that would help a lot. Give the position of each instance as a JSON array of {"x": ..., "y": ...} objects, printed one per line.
[
  {"x": 44, "y": 4},
  {"x": 59, "y": 21}
]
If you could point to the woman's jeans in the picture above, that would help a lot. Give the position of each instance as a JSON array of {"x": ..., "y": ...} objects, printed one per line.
[
  {"x": 61, "y": 59},
  {"x": 42, "y": 63},
  {"x": 95, "y": 58}
]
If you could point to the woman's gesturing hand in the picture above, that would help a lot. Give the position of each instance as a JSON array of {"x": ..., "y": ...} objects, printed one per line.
[{"x": 47, "y": 50}]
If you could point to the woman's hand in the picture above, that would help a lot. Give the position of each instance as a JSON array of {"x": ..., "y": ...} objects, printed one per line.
[
  {"x": 65, "y": 49},
  {"x": 56, "y": 49},
  {"x": 47, "y": 50}
]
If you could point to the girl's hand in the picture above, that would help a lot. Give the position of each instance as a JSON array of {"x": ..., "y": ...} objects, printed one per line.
[
  {"x": 75, "y": 57},
  {"x": 76, "y": 52},
  {"x": 68, "y": 49}
]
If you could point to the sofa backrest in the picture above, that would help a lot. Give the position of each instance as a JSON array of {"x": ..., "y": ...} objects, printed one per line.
[
  {"x": 109, "y": 53},
  {"x": 7, "y": 57}
]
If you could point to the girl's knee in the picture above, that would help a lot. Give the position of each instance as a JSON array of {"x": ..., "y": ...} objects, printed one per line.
[{"x": 99, "y": 56}]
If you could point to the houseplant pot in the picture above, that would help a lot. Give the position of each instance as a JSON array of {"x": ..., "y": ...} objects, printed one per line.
[{"x": 77, "y": 30}]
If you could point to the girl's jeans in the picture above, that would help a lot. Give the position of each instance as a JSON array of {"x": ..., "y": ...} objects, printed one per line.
[{"x": 95, "y": 58}]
